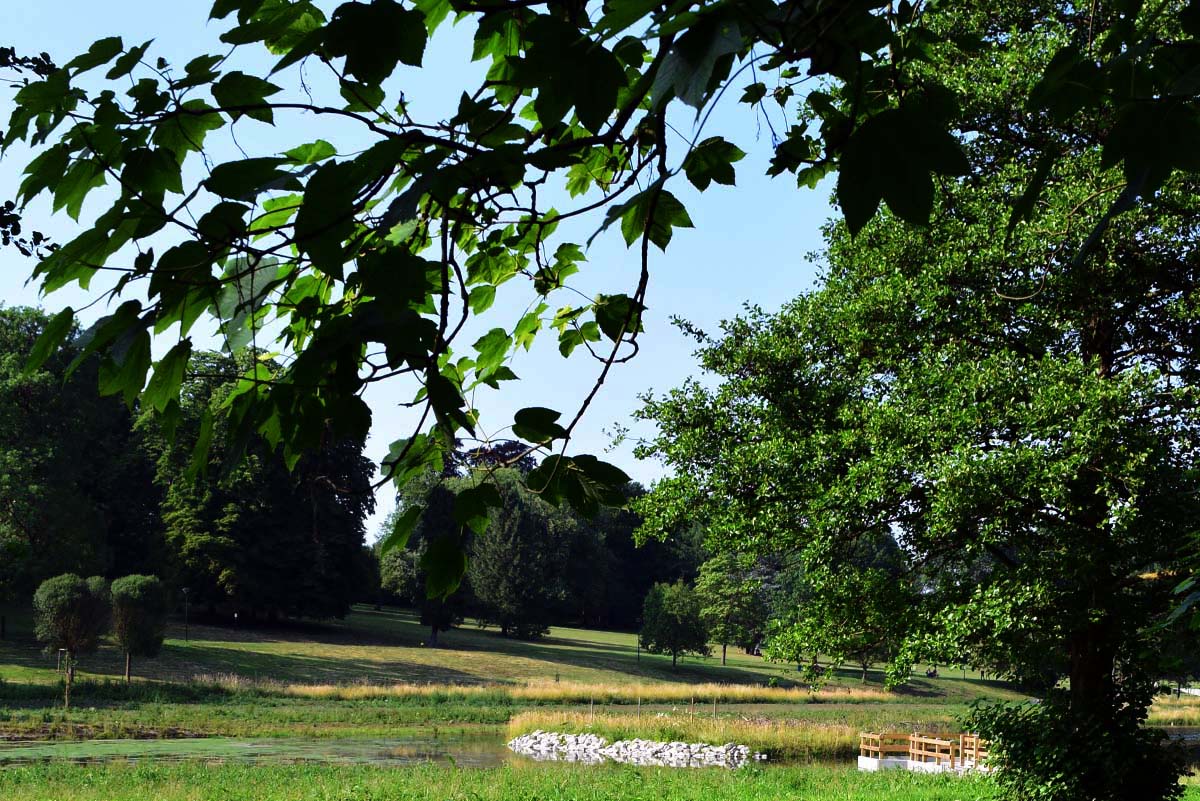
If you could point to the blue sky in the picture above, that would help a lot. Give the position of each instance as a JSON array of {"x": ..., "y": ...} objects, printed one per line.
[{"x": 750, "y": 244}]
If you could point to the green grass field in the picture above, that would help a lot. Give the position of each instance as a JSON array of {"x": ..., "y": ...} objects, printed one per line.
[
  {"x": 126, "y": 782},
  {"x": 371, "y": 675}
]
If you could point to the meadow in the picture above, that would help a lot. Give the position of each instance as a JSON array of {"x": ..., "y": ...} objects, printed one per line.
[{"x": 371, "y": 676}]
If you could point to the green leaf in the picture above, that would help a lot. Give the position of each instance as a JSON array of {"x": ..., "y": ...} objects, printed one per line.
[
  {"x": 105, "y": 331},
  {"x": 72, "y": 188},
  {"x": 124, "y": 371},
  {"x": 692, "y": 63},
  {"x": 311, "y": 153},
  {"x": 237, "y": 89},
  {"x": 754, "y": 93},
  {"x": 168, "y": 374},
  {"x": 447, "y": 402},
  {"x": 245, "y": 179},
  {"x": 374, "y": 37},
  {"x": 538, "y": 424},
  {"x": 326, "y": 217},
  {"x": 435, "y": 12},
  {"x": 653, "y": 212},
  {"x": 102, "y": 51},
  {"x": 445, "y": 564},
  {"x": 199, "y": 462},
  {"x": 50, "y": 340},
  {"x": 618, "y": 313},
  {"x": 472, "y": 504},
  {"x": 890, "y": 157},
  {"x": 128, "y": 61},
  {"x": 402, "y": 529},
  {"x": 183, "y": 130},
  {"x": 712, "y": 160},
  {"x": 493, "y": 347},
  {"x": 481, "y": 298}
]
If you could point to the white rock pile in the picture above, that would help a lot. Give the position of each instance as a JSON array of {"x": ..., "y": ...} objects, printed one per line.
[{"x": 592, "y": 749}]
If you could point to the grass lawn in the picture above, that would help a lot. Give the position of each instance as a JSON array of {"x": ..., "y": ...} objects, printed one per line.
[
  {"x": 191, "y": 782},
  {"x": 371, "y": 675}
]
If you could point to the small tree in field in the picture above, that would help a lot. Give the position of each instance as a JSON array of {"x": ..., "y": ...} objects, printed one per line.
[
  {"x": 732, "y": 602},
  {"x": 71, "y": 614},
  {"x": 139, "y": 617},
  {"x": 671, "y": 622}
]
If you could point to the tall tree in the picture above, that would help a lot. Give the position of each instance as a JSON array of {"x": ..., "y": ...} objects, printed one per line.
[
  {"x": 672, "y": 623},
  {"x": 405, "y": 570},
  {"x": 257, "y": 534},
  {"x": 1013, "y": 401},
  {"x": 76, "y": 486},
  {"x": 733, "y": 605},
  {"x": 517, "y": 568}
]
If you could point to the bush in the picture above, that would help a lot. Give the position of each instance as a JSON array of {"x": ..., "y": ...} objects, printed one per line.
[{"x": 71, "y": 614}]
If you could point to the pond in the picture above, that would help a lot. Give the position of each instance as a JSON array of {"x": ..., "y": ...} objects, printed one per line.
[{"x": 477, "y": 751}]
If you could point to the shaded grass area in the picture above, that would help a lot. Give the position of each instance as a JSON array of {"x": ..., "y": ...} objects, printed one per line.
[{"x": 557, "y": 782}]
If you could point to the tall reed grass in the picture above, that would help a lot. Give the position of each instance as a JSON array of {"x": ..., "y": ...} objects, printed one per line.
[
  {"x": 544, "y": 692},
  {"x": 779, "y": 738}
]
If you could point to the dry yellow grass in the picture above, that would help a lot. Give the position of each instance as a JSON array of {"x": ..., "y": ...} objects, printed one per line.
[
  {"x": 1168, "y": 711},
  {"x": 568, "y": 692},
  {"x": 793, "y": 739}
]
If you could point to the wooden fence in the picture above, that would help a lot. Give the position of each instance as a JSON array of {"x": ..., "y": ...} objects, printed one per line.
[{"x": 925, "y": 751}]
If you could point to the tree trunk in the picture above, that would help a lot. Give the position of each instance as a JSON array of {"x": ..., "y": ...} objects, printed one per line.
[
  {"x": 1092, "y": 699},
  {"x": 723, "y": 647},
  {"x": 433, "y": 636},
  {"x": 865, "y": 666},
  {"x": 3, "y": 627},
  {"x": 128, "y": 663},
  {"x": 68, "y": 682},
  {"x": 674, "y": 659}
]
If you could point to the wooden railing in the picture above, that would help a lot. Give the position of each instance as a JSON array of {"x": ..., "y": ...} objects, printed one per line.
[
  {"x": 974, "y": 748},
  {"x": 882, "y": 746},
  {"x": 932, "y": 748},
  {"x": 947, "y": 751}
]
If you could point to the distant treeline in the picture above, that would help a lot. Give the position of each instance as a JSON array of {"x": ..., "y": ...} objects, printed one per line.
[
  {"x": 93, "y": 486},
  {"x": 537, "y": 564}
]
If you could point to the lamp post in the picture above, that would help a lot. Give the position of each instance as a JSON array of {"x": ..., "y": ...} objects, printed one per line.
[{"x": 185, "y": 613}]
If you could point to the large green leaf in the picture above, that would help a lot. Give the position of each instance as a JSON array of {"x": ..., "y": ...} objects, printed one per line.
[{"x": 375, "y": 37}]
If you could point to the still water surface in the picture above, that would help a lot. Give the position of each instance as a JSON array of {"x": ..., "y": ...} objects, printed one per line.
[{"x": 468, "y": 751}]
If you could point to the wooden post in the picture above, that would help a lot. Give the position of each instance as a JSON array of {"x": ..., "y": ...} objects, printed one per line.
[
  {"x": 639, "y": 707},
  {"x": 591, "y": 710}
]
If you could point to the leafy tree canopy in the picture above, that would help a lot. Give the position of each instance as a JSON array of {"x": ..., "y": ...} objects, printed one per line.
[
  {"x": 371, "y": 259},
  {"x": 1014, "y": 403}
]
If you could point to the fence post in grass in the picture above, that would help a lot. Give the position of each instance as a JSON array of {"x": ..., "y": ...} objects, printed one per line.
[
  {"x": 639, "y": 707},
  {"x": 591, "y": 710},
  {"x": 714, "y": 707}
]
